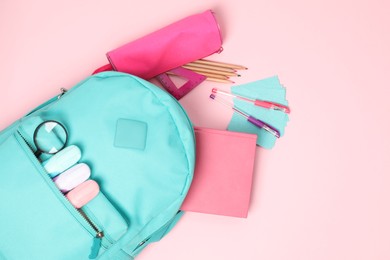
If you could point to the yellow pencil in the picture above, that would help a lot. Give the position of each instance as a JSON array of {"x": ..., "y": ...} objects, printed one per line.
[
  {"x": 203, "y": 66},
  {"x": 220, "y": 64},
  {"x": 196, "y": 69},
  {"x": 211, "y": 75},
  {"x": 220, "y": 80},
  {"x": 226, "y": 80}
]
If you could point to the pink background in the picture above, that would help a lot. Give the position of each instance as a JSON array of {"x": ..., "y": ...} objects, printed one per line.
[{"x": 323, "y": 191}]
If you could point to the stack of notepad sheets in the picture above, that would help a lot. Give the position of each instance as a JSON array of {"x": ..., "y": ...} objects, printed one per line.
[
  {"x": 223, "y": 173},
  {"x": 268, "y": 89}
]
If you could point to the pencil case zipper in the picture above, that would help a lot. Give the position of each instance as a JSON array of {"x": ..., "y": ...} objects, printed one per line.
[{"x": 99, "y": 239}]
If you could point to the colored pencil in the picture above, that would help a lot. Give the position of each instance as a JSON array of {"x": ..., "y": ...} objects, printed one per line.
[
  {"x": 203, "y": 66},
  {"x": 211, "y": 75},
  {"x": 220, "y": 64},
  {"x": 196, "y": 69},
  {"x": 219, "y": 80}
]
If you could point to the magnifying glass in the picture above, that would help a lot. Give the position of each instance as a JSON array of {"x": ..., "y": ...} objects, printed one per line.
[{"x": 50, "y": 137}]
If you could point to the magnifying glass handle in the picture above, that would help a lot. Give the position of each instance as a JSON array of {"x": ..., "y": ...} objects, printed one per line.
[{"x": 38, "y": 154}]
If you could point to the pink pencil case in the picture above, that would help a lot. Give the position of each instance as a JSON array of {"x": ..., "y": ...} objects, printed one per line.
[{"x": 187, "y": 40}]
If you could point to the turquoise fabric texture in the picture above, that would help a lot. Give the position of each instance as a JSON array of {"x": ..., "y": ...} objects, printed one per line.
[
  {"x": 268, "y": 89},
  {"x": 140, "y": 146}
]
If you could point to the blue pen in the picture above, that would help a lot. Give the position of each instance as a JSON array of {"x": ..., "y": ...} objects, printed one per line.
[{"x": 256, "y": 122}]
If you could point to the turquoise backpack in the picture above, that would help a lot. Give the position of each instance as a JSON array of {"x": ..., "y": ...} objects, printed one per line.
[{"x": 140, "y": 146}]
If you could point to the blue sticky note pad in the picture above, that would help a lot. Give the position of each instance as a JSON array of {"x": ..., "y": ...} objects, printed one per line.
[{"x": 267, "y": 89}]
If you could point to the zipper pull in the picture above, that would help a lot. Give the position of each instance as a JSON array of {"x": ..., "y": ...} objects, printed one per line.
[
  {"x": 97, "y": 243},
  {"x": 63, "y": 91}
]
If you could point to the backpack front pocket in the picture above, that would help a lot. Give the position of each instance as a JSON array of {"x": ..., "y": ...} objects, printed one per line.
[{"x": 37, "y": 221}]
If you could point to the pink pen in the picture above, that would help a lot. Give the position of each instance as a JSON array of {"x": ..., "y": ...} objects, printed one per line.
[
  {"x": 256, "y": 102},
  {"x": 256, "y": 122}
]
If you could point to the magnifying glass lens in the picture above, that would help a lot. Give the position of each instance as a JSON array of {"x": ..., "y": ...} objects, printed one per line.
[{"x": 50, "y": 137}]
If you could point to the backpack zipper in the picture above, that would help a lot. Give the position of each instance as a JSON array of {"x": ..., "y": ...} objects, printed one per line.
[
  {"x": 99, "y": 239},
  {"x": 63, "y": 91}
]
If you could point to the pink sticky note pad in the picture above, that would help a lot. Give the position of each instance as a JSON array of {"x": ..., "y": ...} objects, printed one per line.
[{"x": 223, "y": 173}]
